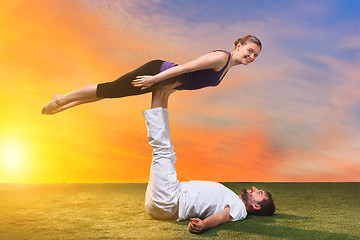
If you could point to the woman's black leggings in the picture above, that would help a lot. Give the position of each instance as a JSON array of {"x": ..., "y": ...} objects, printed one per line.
[{"x": 122, "y": 86}]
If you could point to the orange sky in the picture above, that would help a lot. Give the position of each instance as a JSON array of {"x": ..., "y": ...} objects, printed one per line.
[{"x": 49, "y": 47}]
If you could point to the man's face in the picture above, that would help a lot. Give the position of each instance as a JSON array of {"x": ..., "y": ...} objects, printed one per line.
[{"x": 252, "y": 195}]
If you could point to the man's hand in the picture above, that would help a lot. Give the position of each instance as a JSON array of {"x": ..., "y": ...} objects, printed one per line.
[{"x": 196, "y": 225}]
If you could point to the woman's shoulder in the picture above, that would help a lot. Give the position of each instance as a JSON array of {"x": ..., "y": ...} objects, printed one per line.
[
  {"x": 222, "y": 57},
  {"x": 222, "y": 52}
]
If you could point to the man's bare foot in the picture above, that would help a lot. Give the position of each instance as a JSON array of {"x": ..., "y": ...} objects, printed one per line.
[
  {"x": 161, "y": 93},
  {"x": 52, "y": 105},
  {"x": 166, "y": 88}
]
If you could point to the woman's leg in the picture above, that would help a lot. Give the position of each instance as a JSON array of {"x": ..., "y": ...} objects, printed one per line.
[
  {"x": 121, "y": 87},
  {"x": 62, "y": 102},
  {"x": 73, "y": 104}
]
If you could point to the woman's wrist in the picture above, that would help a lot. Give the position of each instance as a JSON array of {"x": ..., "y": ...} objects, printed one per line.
[{"x": 156, "y": 79}]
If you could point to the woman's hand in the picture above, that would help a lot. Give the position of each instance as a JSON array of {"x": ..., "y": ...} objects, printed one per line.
[
  {"x": 144, "y": 82},
  {"x": 196, "y": 225}
]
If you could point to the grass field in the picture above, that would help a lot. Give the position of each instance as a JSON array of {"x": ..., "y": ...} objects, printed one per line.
[{"x": 116, "y": 211}]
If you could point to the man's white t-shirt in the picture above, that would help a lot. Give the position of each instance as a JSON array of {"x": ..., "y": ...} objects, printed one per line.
[{"x": 204, "y": 198}]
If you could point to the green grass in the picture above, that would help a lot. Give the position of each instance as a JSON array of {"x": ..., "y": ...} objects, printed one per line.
[{"x": 116, "y": 211}]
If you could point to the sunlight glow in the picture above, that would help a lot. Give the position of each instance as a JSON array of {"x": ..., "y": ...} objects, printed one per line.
[{"x": 12, "y": 156}]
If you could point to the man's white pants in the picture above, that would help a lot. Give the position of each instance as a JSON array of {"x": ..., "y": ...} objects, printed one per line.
[{"x": 162, "y": 193}]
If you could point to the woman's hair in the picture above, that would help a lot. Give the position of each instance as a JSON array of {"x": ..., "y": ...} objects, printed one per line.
[{"x": 247, "y": 38}]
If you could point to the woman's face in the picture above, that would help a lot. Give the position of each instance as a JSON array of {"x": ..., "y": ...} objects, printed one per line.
[{"x": 247, "y": 53}]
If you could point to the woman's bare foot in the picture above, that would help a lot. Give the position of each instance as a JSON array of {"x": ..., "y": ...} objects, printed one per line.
[{"x": 52, "y": 105}]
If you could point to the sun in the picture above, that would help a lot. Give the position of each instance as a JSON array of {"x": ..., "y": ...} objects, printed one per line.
[{"x": 12, "y": 155}]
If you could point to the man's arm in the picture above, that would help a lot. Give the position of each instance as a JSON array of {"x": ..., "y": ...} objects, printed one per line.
[{"x": 197, "y": 225}]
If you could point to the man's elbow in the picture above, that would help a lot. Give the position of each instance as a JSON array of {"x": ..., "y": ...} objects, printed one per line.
[{"x": 227, "y": 218}]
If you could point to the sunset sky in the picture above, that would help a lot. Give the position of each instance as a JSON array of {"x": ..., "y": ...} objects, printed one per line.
[{"x": 292, "y": 115}]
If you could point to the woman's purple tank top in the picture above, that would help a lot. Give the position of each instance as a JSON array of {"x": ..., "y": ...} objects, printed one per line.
[{"x": 198, "y": 79}]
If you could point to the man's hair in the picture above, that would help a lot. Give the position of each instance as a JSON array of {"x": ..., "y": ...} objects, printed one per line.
[{"x": 267, "y": 206}]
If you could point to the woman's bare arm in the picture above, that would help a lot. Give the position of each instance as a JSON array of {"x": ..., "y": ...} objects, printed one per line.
[{"x": 213, "y": 60}]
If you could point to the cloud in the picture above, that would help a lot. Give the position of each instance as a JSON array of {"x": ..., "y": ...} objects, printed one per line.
[
  {"x": 292, "y": 104},
  {"x": 291, "y": 115}
]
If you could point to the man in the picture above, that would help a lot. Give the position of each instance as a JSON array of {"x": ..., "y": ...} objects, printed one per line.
[{"x": 168, "y": 199}]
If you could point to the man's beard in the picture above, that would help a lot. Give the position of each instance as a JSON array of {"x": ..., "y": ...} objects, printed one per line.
[{"x": 244, "y": 195}]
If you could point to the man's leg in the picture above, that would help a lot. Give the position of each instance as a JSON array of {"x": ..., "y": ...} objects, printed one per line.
[{"x": 161, "y": 200}]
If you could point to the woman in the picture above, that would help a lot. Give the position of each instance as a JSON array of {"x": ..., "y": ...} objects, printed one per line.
[{"x": 207, "y": 70}]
